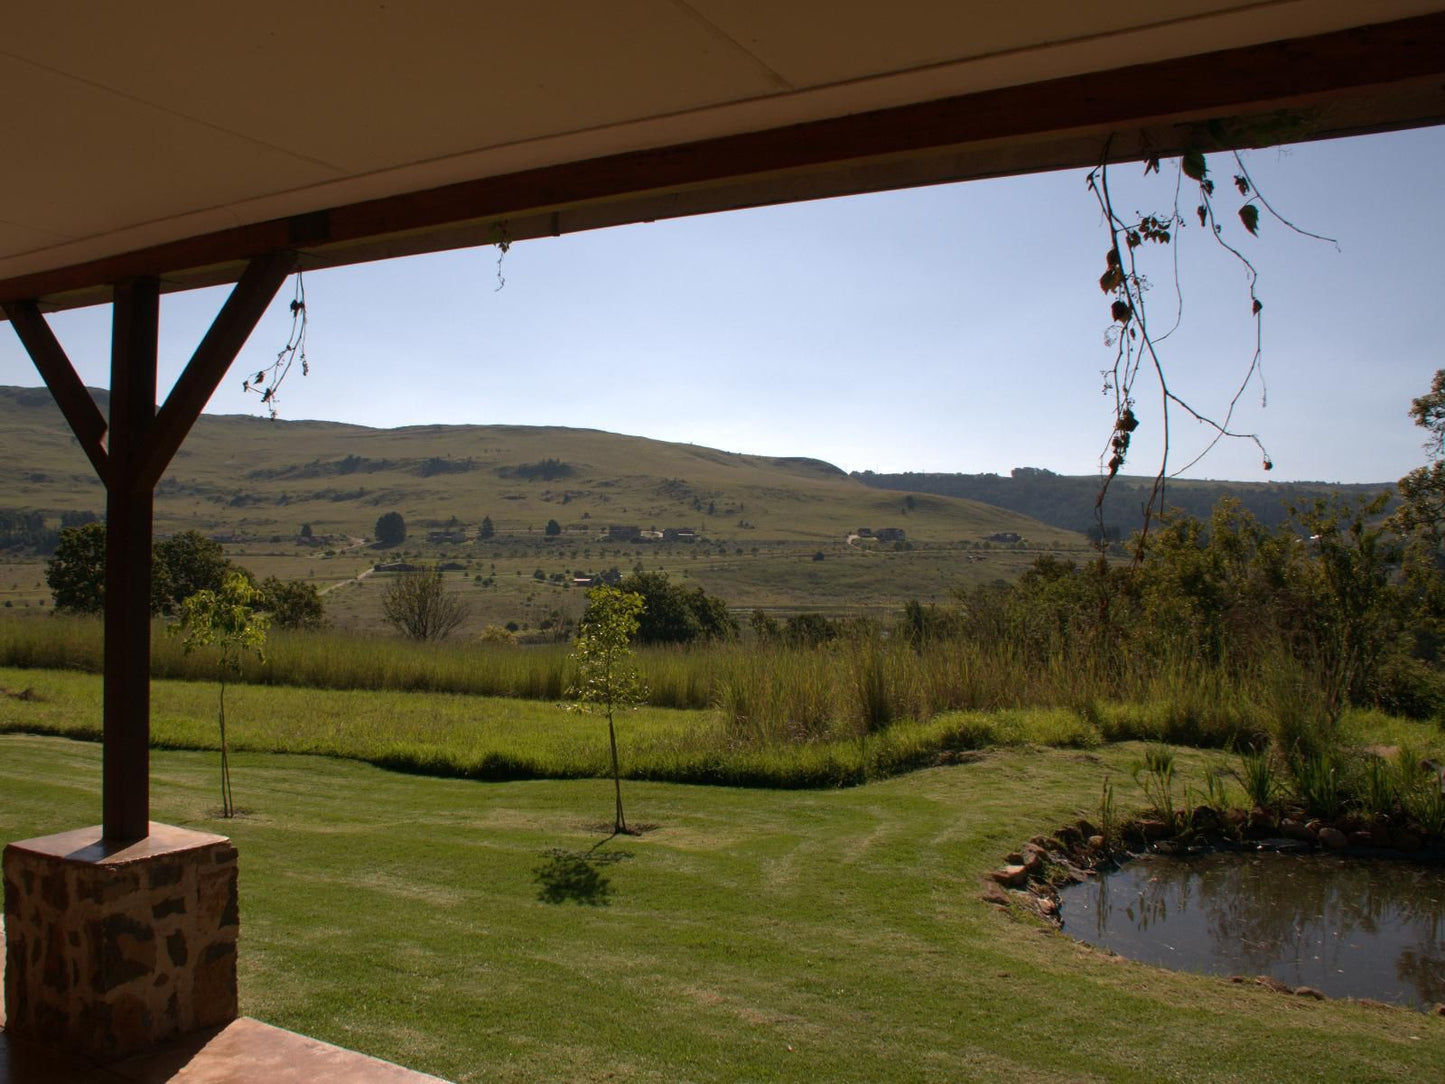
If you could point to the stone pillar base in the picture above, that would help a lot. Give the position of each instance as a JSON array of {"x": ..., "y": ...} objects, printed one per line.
[{"x": 112, "y": 948}]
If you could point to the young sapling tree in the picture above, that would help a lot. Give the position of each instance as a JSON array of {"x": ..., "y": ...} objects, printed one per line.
[
  {"x": 226, "y": 620},
  {"x": 607, "y": 678}
]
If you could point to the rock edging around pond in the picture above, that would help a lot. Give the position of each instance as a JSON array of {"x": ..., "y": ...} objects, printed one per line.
[{"x": 1030, "y": 879}]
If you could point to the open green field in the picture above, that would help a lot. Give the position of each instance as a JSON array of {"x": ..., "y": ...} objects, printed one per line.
[
  {"x": 831, "y": 935},
  {"x": 498, "y": 583},
  {"x": 776, "y": 577},
  {"x": 780, "y": 578}
]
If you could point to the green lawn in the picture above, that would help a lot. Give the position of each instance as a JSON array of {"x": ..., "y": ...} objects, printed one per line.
[
  {"x": 445, "y": 732},
  {"x": 751, "y": 935}
]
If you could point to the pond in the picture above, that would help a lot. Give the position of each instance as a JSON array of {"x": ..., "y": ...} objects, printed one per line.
[{"x": 1347, "y": 927}]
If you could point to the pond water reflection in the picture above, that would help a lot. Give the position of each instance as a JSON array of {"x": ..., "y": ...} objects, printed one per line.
[{"x": 1347, "y": 927}]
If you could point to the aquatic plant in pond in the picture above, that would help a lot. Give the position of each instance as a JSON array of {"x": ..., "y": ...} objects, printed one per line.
[
  {"x": 1108, "y": 816},
  {"x": 1257, "y": 775},
  {"x": 1319, "y": 783},
  {"x": 1155, "y": 776}
]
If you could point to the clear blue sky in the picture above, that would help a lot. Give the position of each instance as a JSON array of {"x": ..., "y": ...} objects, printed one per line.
[{"x": 955, "y": 328}]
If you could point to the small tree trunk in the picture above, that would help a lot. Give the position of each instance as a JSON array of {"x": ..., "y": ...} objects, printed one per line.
[
  {"x": 619, "y": 823},
  {"x": 226, "y": 808}
]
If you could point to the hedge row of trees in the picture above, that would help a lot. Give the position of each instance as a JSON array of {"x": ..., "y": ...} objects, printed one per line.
[
  {"x": 1335, "y": 588},
  {"x": 29, "y": 530},
  {"x": 181, "y": 566}
]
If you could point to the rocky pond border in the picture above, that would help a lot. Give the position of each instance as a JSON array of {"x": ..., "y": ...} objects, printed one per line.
[{"x": 1029, "y": 880}]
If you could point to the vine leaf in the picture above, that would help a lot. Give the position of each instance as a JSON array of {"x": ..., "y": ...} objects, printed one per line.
[
  {"x": 1194, "y": 166},
  {"x": 1249, "y": 215}
]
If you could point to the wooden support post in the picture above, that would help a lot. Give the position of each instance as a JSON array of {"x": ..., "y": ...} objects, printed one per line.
[
  {"x": 85, "y": 966},
  {"x": 141, "y": 445},
  {"x": 128, "y": 529}
]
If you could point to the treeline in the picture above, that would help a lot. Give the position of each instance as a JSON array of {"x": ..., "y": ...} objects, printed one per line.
[
  {"x": 1068, "y": 501},
  {"x": 181, "y": 566},
  {"x": 37, "y": 532},
  {"x": 1333, "y": 603}
]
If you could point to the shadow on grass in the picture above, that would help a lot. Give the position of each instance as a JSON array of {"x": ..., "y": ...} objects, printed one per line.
[{"x": 577, "y": 876}]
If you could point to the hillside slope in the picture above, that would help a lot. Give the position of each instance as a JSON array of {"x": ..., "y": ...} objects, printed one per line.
[
  {"x": 1068, "y": 501},
  {"x": 252, "y": 478}
]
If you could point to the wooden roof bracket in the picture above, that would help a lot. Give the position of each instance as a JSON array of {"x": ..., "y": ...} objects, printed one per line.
[{"x": 141, "y": 443}]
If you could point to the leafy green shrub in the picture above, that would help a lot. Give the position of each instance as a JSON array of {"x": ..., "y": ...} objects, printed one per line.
[{"x": 1407, "y": 686}]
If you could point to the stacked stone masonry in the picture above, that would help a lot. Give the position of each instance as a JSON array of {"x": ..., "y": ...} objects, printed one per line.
[{"x": 113, "y": 949}]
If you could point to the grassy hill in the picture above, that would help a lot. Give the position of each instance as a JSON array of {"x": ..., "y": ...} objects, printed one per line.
[
  {"x": 1068, "y": 501},
  {"x": 771, "y": 533},
  {"x": 252, "y": 478}
]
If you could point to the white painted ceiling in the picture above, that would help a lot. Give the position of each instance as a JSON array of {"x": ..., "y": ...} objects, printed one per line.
[{"x": 129, "y": 125}]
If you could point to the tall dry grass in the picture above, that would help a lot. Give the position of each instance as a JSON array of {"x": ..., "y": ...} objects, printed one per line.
[{"x": 772, "y": 694}]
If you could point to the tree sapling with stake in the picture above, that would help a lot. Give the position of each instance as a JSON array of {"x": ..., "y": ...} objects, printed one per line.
[
  {"x": 607, "y": 678},
  {"x": 225, "y": 620}
]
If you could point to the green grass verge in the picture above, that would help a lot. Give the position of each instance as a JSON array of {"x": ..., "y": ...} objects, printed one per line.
[
  {"x": 792, "y": 936},
  {"x": 494, "y": 738}
]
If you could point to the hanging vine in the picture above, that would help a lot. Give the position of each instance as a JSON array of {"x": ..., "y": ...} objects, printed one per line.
[
  {"x": 504, "y": 245},
  {"x": 267, "y": 382},
  {"x": 1136, "y": 344}
]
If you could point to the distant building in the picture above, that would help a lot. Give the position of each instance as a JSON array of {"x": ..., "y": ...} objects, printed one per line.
[
  {"x": 455, "y": 534},
  {"x": 584, "y": 581},
  {"x": 890, "y": 534},
  {"x": 1004, "y": 536},
  {"x": 679, "y": 534},
  {"x": 649, "y": 536},
  {"x": 616, "y": 533},
  {"x": 865, "y": 532}
]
